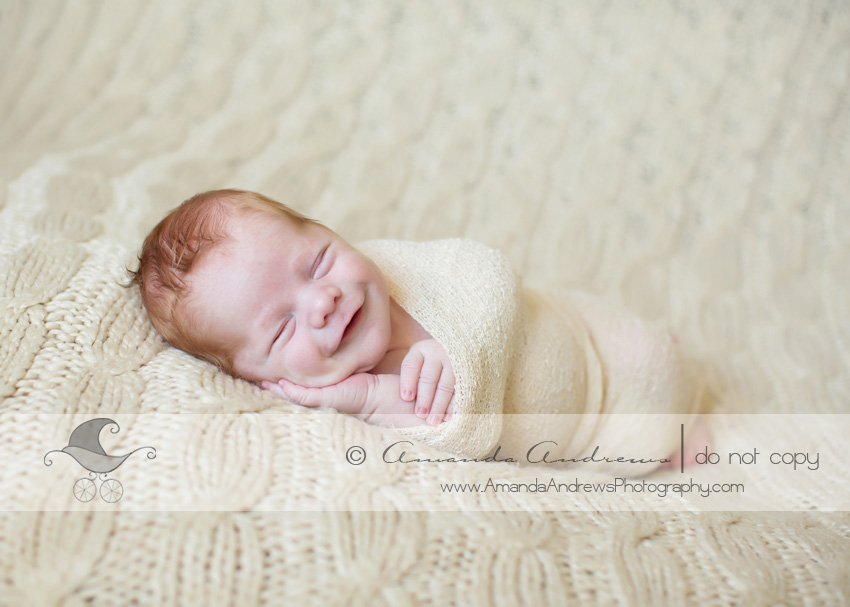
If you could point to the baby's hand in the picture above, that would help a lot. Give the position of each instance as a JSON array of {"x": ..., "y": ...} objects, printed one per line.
[
  {"x": 372, "y": 398},
  {"x": 427, "y": 376},
  {"x": 356, "y": 395}
]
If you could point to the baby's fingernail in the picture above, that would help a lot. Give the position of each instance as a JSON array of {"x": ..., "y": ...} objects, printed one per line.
[
  {"x": 407, "y": 395},
  {"x": 434, "y": 420},
  {"x": 420, "y": 412}
]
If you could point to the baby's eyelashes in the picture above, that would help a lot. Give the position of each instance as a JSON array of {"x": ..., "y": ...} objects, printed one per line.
[{"x": 287, "y": 323}]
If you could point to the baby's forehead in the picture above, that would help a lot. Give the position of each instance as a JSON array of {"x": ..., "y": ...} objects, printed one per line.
[
  {"x": 220, "y": 281},
  {"x": 255, "y": 238},
  {"x": 248, "y": 224}
]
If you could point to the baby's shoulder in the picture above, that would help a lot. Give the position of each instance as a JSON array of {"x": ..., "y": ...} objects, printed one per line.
[
  {"x": 456, "y": 254},
  {"x": 447, "y": 272}
]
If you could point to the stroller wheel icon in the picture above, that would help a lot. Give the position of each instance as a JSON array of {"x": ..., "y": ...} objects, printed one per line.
[
  {"x": 111, "y": 491},
  {"x": 84, "y": 446},
  {"x": 84, "y": 489}
]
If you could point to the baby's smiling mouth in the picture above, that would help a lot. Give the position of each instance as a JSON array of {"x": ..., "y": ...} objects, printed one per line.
[{"x": 351, "y": 323}]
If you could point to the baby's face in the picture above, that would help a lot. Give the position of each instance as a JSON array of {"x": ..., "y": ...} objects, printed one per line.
[{"x": 297, "y": 300}]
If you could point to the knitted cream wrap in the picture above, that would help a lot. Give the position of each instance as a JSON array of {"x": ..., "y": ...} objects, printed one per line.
[{"x": 526, "y": 363}]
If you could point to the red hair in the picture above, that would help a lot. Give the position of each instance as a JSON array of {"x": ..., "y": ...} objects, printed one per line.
[{"x": 174, "y": 246}]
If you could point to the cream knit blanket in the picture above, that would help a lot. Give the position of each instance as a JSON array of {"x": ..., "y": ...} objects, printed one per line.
[
  {"x": 686, "y": 159},
  {"x": 528, "y": 367}
]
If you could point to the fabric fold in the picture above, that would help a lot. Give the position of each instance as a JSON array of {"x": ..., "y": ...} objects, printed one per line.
[
  {"x": 529, "y": 365},
  {"x": 465, "y": 295}
]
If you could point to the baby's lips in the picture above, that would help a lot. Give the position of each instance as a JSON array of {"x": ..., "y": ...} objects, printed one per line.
[{"x": 346, "y": 323}]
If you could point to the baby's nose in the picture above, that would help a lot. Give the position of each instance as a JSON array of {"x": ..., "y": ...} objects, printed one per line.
[{"x": 323, "y": 305}]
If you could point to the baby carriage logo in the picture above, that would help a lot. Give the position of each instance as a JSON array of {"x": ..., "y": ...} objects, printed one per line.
[{"x": 84, "y": 446}]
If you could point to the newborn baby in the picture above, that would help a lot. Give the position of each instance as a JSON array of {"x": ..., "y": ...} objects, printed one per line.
[
  {"x": 270, "y": 296},
  {"x": 273, "y": 297}
]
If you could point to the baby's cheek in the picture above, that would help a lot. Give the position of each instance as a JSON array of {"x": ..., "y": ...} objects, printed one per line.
[
  {"x": 310, "y": 369},
  {"x": 274, "y": 370},
  {"x": 323, "y": 380},
  {"x": 370, "y": 350}
]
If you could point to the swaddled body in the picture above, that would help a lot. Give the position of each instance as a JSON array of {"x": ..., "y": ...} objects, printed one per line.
[{"x": 537, "y": 368}]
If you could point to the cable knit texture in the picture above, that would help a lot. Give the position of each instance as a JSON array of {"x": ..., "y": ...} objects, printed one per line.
[{"x": 686, "y": 160}]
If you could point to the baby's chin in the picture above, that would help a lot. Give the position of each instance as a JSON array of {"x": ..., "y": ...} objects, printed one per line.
[
  {"x": 322, "y": 381},
  {"x": 343, "y": 372},
  {"x": 361, "y": 357}
]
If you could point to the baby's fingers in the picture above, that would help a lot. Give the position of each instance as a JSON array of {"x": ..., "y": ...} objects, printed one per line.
[
  {"x": 411, "y": 366},
  {"x": 442, "y": 397},
  {"x": 275, "y": 389},
  {"x": 352, "y": 395},
  {"x": 429, "y": 377},
  {"x": 309, "y": 397}
]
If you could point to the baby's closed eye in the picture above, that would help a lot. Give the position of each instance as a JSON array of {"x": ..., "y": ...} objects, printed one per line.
[
  {"x": 321, "y": 264},
  {"x": 285, "y": 327}
]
